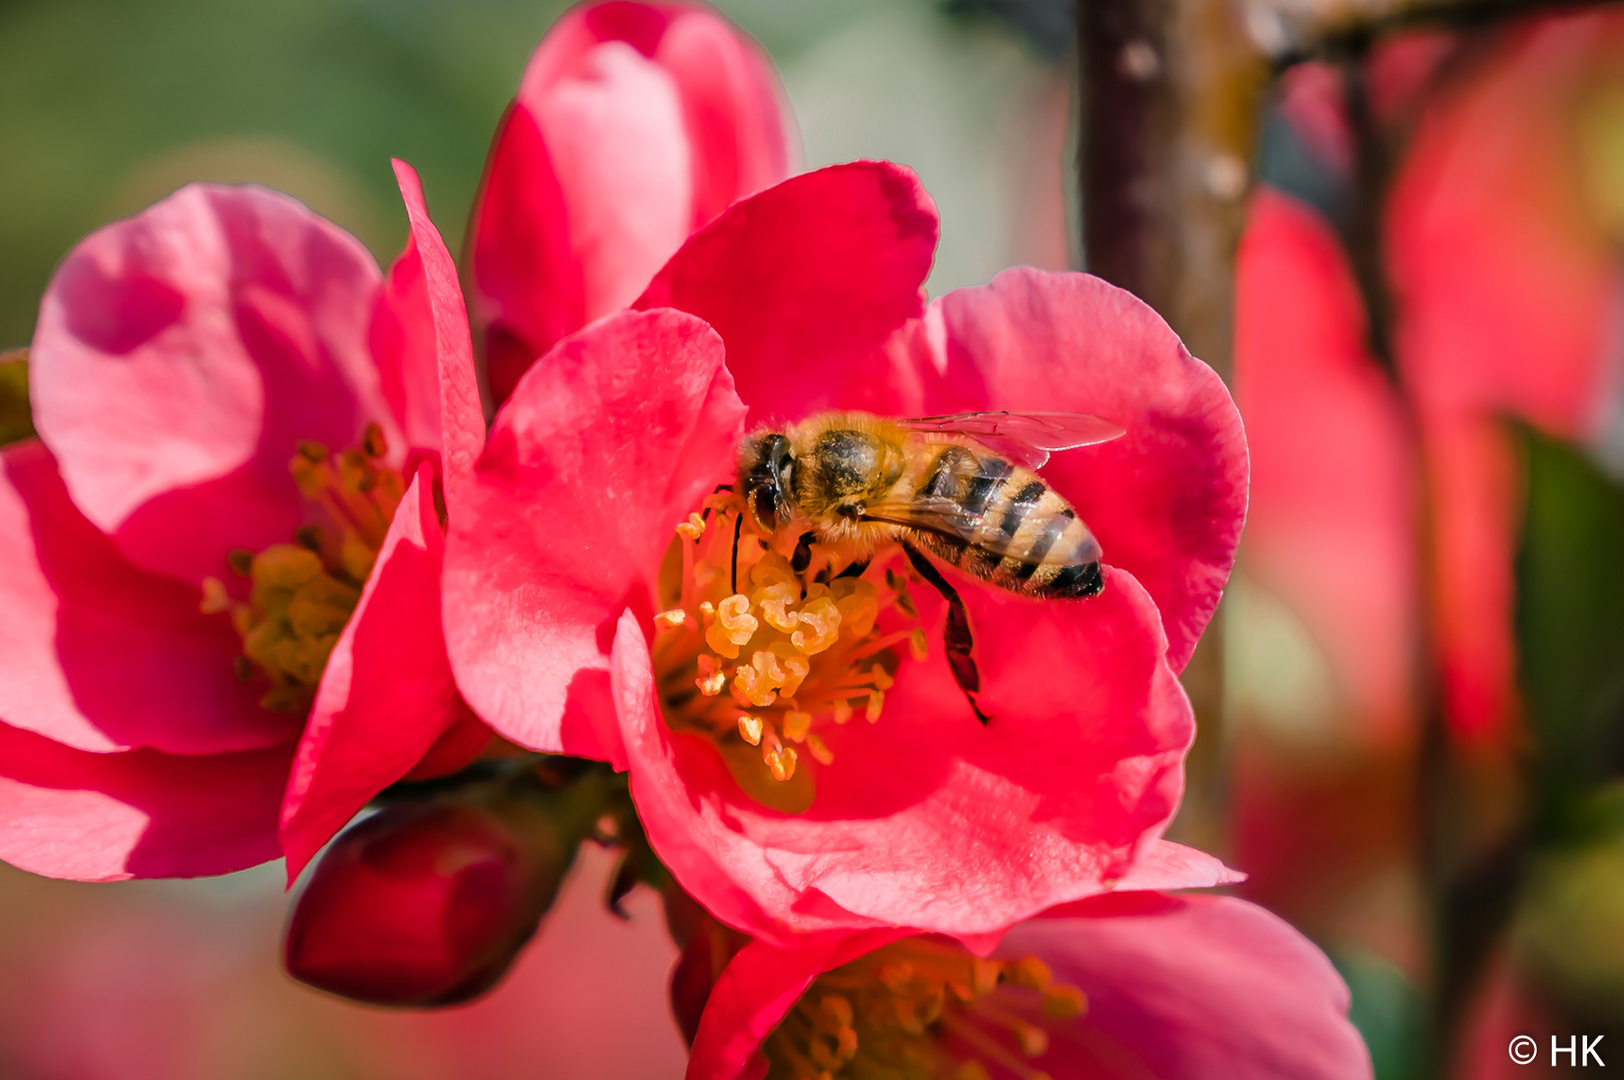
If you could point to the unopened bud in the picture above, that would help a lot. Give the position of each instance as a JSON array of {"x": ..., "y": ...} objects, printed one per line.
[{"x": 423, "y": 904}]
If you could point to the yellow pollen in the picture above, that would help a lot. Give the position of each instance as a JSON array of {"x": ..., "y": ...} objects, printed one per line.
[
  {"x": 301, "y": 595},
  {"x": 751, "y": 652},
  {"x": 920, "y": 1009}
]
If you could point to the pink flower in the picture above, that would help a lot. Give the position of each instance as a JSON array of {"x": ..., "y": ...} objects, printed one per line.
[
  {"x": 165, "y": 636},
  {"x": 801, "y": 299},
  {"x": 1135, "y": 984},
  {"x": 635, "y": 123}
]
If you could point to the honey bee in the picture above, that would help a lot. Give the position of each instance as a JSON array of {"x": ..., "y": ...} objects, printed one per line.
[{"x": 961, "y": 488}]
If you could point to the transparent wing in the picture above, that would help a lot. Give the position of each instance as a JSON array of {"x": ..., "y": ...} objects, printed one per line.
[{"x": 1025, "y": 438}]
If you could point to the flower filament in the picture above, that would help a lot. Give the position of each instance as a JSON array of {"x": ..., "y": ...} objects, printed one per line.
[
  {"x": 922, "y": 1009},
  {"x": 752, "y": 651},
  {"x": 301, "y": 594}
]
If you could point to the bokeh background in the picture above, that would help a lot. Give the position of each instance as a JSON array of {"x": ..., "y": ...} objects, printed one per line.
[{"x": 1412, "y": 706}]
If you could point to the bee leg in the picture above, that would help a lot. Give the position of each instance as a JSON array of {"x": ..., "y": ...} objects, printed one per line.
[
  {"x": 803, "y": 552},
  {"x": 956, "y": 634},
  {"x": 738, "y": 524},
  {"x": 854, "y": 570}
]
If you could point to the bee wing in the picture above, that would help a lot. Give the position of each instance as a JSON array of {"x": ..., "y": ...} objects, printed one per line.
[
  {"x": 1025, "y": 438},
  {"x": 934, "y": 515},
  {"x": 946, "y": 518}
]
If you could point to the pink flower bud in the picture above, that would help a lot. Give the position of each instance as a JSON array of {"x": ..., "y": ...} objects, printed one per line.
[{"x": 422, "y": 904}]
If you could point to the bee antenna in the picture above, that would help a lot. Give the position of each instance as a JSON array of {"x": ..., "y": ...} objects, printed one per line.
[{"x": 738, "y": 524}]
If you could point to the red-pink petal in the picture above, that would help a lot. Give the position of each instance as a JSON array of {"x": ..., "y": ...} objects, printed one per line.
[
  {"x": 1168, "y": 498},
  {"x": 927, "y": 819},
  {"x": 600, "y": 452},
  {"x": 182, "y": 353},
  {"x": 757, "y": 989},
  {"x": 99, "y": 655},
  {"x": 1330, "y": 528},
  {"x": 420, "y": 342},
  {"x": 805, "y": 282},
  {"x": 1166, "y": 865},
  {"x": 1192, "y": 987},
  {"x": 138, "y": 814},
  {"x": 525, "y": 284},
  {"x": 613, "y": 128},
  {"x": 634, "y": 124},
  {"x": 736, "y": 114},
  {"x": 387, "y": 694}
]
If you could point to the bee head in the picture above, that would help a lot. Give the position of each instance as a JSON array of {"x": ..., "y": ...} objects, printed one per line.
[{"x": 766, "y": 465}]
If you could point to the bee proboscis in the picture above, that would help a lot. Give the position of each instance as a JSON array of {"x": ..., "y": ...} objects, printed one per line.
[{"x": 959, "y": 487}]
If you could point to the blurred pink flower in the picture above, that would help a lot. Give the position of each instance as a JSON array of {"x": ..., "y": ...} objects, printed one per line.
[
  {"x": 1508, "y": 282},
  {"x": 1131, "y": 985},
  {"x": 926, "y": 818},
  {"x": 183, "y": 357},
  {"x": 1330, "y": 527},
  {"x": 635, "y": 123},
  {"x": 1504, "y": 271}
]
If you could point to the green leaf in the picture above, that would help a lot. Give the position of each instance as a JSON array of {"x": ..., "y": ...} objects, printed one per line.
[{"x": 1570, "y": 626}]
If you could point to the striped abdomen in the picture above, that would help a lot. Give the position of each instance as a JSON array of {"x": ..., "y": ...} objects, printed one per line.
[{"x": 1013, "y": 529}]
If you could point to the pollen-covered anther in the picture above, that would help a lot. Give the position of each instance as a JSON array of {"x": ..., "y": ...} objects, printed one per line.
[
  {"x": 670, "y": 620},
  {"x": 750, "y": 728},
  {"x": 759, "y": 681},
  {"x": 876, "y": 702},
  {"x": 302, "y": 594},
  {"x": 692, "y": 529},
  {"x": 780, "y": 759},
  {"x": 712, "y": 678},
  {"x": 793, "y": 648},
  {"x": 734, "y": 626},
  {"x": 820, "y": 622}
]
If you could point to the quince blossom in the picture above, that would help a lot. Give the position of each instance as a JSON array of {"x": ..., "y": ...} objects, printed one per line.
[
  {"x": 589, "y": 606},
  {"x": 1129, "y": 985},
  {"x": 178, "y": 596}
]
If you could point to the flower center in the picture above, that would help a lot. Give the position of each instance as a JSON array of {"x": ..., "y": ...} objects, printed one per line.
[
  {"x": 922, "y": 1009},
  {"x": 760, "y": 649},
  {"x": 301, "y": 594}
]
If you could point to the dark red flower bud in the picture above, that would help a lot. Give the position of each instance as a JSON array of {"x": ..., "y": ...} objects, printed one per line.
[{"x": 426, "y": 903}]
